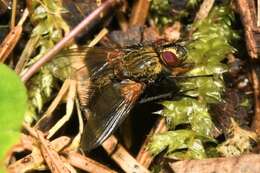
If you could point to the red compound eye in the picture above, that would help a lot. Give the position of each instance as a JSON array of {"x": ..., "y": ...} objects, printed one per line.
[{"x": 170, "y": 58}]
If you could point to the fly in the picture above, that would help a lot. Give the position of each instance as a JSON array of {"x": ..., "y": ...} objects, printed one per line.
[{"x": 113, "y": 81}]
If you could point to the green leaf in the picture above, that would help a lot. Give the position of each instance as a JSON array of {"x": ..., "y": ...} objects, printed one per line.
[{"x": 13, "y": 103}]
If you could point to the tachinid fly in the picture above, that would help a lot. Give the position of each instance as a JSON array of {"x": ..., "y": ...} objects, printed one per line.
[{"x": 112, "y": 80}]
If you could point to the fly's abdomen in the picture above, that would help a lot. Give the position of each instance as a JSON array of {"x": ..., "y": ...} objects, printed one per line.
[{"x": 142, "y": 64}]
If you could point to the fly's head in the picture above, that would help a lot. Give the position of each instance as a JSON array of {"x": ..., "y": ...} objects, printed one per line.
[{"x": 172, "y": 56}]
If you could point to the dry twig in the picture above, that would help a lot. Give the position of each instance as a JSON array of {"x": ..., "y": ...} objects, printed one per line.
[
  {"x": 12, "y": 38},
  {"x": 256, "y": 120},
  {"x": 247, "y": 19},
  {"x": 86, "y": 164},
  {"x": 51, "y": 157},
  {"x": 139, "y": 13},
  {"x": 204, "y": 10},
  {"x": 35, "y": 160},
  {"x": 144, "y": 157},
  {"x": 119, "y": 154}
]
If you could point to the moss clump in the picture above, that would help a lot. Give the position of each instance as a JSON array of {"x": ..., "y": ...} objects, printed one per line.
[{"x": 208, "y": 47}]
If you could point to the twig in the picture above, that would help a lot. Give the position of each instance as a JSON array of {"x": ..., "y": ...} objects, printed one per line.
[
  {"x": 144, "y": 157},
  {"x": 27, "y": 52},
  {"x": 14, "y": 5},
  {"x": 12, "y": 38},
  {"x": 258, "y": 13},
  {"x": 63, "y": 91},
  {"x": 119, "y": 154},
  {"x": 122, "y": 21},
  {"x": 29, "y": 129},
  {"x": 69, "y": 109},
  {"x": 256, "y": 120},
  {"x": 86, "y": 164},
  {"x": 139, "y": 13},
  {"x": 35, "y": 160},
  {"x": 96, "y": 14},
  {"x": 248, "y": 26},
  {"x": 204, "y": 10},
  {"x": 51, "y": 156},
  {"x": 246, "y": 163},
  {"x": 98, "y": 37}
]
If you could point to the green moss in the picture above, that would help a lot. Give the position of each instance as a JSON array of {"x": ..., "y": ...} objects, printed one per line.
[
  {"x": 208, "y": 47},
  {"x": 49, "y": 28}
]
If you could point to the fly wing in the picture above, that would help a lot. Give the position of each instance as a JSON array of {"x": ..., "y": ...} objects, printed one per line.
[
  {"x": 108, "y": 108},
  {"x": 73, "y": 60},
  {"x": 106, "y": 102}
]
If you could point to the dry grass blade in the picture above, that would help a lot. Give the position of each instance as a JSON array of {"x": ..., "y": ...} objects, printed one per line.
[
  {"x": 119, "y": 154},
  {"x": 51, "y": 157},
  {"x": 256, "y": 120},
  {"x": 12, "y": 38},
  {"x": 14, "y": 5},
  {"x": 246, "y": 163},
  {"x": 35, "y": 160},
  {"x": 248, "y": 26},
  {"x": 204, "y": 9},
  {"x": 63, "y": 91},
  {"x": 87, "y": 164},
  {"x": 139, "y": 13},
  {"x": 144, "y": 157},
  {"x": 258, "y": 13},
  {"x": 69, "y": 109},
  {"x": 27, "y": 52}
]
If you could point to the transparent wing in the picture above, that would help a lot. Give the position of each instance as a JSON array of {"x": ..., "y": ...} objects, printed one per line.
[
  {"x": 108, "y": 108},
  {"x": 71, "y": 60}
]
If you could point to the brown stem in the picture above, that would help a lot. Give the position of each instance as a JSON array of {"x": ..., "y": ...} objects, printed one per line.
[
  {"x": 144, "y": 157},
  {"x": 139, "y": 13},
  {"x": 14, "y": 5},
  {"x": 204, "y": 9},
  {"x": 79, "y": 161},
  {"x": 7, "y": 46},
  {"x": 256, "y": 120},
  {"x": 96, "y": 14},
  {"x": 247, "y": 19},
  {"x": 119, "y": 154}
]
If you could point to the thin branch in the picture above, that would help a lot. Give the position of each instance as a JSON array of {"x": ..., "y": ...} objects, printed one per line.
[
  {"x": 14, "y": 5},
  {"x": 34, "y": 160},
  {"x": 256, "y": 120},
  {"x": 86, "y": 164},
  {"x": 258, "y": 13},
  {"x": 119, "y": 154},
  {"x": 204, "y": 10},
  {"x": 12, "y": 38},
  {"x": 144, "y": 157},
  {"x": 51, "y": 157},
  {"x": 247, "y": 20},
  {"x": 96, "y": 14},
  {"x": 139, "y": 13}
]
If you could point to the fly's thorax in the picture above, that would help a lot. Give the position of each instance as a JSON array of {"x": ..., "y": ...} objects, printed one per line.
[{"x": 141, "y": 65}]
